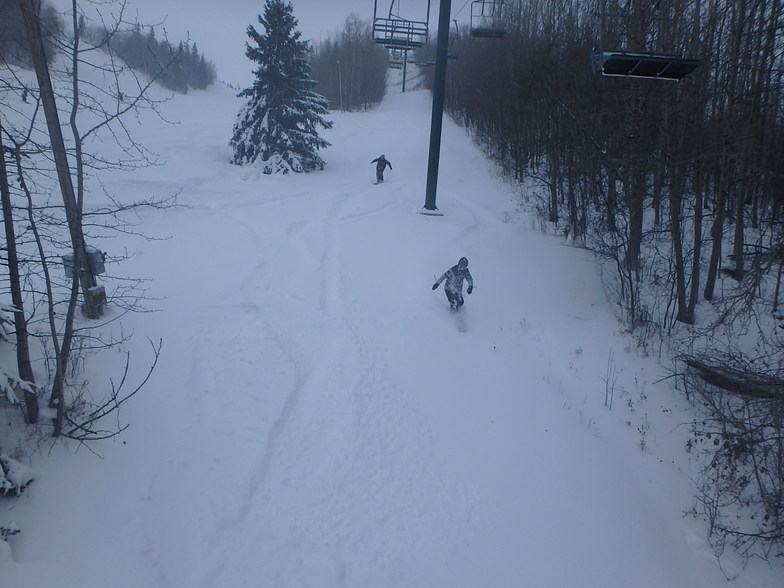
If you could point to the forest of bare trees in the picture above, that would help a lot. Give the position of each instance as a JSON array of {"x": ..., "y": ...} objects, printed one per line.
[
  {"x": 64, "y": 96},
  {"x": 677, "y": 186},
  {"x": 350, "y": 68}
]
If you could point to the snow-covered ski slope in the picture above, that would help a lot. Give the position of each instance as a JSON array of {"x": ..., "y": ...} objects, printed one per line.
[{"x": 317, "y": 419}]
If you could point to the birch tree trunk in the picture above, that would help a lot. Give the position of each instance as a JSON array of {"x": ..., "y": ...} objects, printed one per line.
[
  {"x": 82, "y": 275},
  {"x": 24, "y": 366}
]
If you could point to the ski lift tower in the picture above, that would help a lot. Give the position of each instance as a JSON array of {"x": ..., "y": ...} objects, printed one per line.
[
  {"x": 437, "y": 116},
  {"x": 486, "y": 24},
  {"x": 635, "y": 58}
]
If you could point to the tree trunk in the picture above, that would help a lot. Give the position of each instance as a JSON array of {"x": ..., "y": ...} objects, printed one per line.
[
  {"x": 739, "y": 239},
  {"x": 717, "y": 232},
  {"x": 24, "y": 366},
  {"x": 635, "y": 189},
  {"x": 736, "y": 86},
  {"x": 658, "y": 187},
  {"x": 82, "y": 274},
  {"x": 676, "y": 231},
  {"x": 574, "y": 220},
  {"x": 30, "y": 15},
  {"x": 554, "y": 173},
  {"x": 612, "y": 198},
  {"x": 696, "y": 262}
]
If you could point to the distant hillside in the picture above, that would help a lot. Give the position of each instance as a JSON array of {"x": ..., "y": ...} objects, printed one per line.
[
  {"x": 178, "y": 68},
  {"x": 13, "y": 37}
]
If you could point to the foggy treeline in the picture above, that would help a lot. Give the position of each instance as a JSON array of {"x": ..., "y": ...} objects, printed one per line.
[
  {"x": 350, "y": 68},
  {"x": 178, "y": 68},
  {"x": 678, "y": 186},
  {"x": 14, "y": 46},
  {"x": 626, "y": 161}
]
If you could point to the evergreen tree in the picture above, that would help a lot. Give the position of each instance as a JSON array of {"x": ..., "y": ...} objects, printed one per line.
[{"x": 278, "y": 124}]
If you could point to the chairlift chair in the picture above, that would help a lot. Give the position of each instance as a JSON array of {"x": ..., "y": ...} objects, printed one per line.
[
  {"x": 644, "y": 65},
  {"x": 632, "y": 63},
  {"x": 395, "y": 32},
  {"x": 486, "y": 19},
  {"x": 397, "y": 58}
]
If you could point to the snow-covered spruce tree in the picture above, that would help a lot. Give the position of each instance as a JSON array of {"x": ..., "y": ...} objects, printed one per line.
[{"x": 278, "y": 124}]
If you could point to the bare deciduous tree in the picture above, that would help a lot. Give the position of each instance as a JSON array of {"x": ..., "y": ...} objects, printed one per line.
[
  {"x": 106, "y": 109},
  {"x": 676, "y": 185}
]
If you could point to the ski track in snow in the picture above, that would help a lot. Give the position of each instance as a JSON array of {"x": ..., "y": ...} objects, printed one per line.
[{"x": 327, "y": 353}]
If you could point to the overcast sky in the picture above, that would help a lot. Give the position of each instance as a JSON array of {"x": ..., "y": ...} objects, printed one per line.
[
  {"x": 318, "y": 19},
  {"x": 198, "y": 20}
]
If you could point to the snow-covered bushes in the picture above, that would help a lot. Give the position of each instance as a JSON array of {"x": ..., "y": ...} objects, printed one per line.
[
  {"x": 7, "y": 530},
  {"x": 741, "y": 486},
  {"x": 14, "y": 476},
  {"x": 9, "y": 382}
]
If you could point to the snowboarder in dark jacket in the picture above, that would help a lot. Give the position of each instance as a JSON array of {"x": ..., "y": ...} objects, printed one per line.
[
  {"x": 453, "y": 288},
  {"x": 381, "y": 164}
]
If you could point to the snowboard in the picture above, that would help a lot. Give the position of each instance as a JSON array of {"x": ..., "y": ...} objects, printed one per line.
[{"x": 460, "y": 320}]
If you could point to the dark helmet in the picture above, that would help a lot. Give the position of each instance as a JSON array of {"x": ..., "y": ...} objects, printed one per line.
[{"x": 463, "y": 262}]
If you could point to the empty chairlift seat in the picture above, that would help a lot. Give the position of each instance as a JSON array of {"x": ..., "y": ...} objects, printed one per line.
[
  {"x": 399, "y": 33},
  {"x": 486, "y": 19},
  {"x": 395, "y": 32},
  {"x": 638, "y": 34},
  {"x": 644, "y": 65}
]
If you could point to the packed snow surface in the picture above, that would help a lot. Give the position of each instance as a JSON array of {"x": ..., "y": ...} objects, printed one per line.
[{"x": 319, "y": 418}]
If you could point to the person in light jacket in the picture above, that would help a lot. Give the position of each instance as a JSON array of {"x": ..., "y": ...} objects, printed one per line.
[{"x": 453, "y": 288}]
